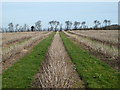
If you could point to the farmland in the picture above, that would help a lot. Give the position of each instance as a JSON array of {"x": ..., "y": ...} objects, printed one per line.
[
  {"x": 59, "y": 45},
  {"x": 18, "y": 43},
  {"x": 103, "y": 44},
  {"x": 67, "y": 59}
]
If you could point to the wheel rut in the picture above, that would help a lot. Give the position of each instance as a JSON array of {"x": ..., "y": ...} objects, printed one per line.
[{"x": 57, "y": 70}]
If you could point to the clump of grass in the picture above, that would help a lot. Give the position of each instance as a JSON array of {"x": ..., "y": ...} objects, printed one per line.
[
  {"x": 94, "y": 72},
  {"x": 20, "y": 75}
]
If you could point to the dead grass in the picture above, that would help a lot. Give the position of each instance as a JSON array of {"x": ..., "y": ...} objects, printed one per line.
[
  {"x": 57, "y": 70},
  {"x": 19, "y": 51},
  {"x": 108, "y": 55}
]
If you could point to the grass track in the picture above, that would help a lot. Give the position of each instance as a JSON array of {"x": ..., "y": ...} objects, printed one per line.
[
  {"x": 20, "y": 75},
  {"x": 95, "y": 73}
]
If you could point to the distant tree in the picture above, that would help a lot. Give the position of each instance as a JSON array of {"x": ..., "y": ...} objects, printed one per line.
[
  {"x": 60, "y": 27},
  {"x": 97, "y": 23},
  {"x": 56, "y": 23},
  {"x": 20, "y": 29},
  {"x": 25, "y": 27},
  {"x": 16, "y": 27},
  {"x": 83, "y": 24},
  {"x": 11, "y": 27},
  {"x": 76, "y": 24},
  {"x": 109, "y": 22},
  {"x": 105, "y": 21},
  {"x": 38, "y": 25},
  {"x": 32, "y": 28},
  {"x": 51, "y": 23},
  {"x": 68, "y": 25}
]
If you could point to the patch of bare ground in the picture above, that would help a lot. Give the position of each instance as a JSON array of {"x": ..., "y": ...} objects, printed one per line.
[
  {"x": 57, "y": 70},
  {"x": 113, "y": 62},
  {"x": 14, "y": 58}
]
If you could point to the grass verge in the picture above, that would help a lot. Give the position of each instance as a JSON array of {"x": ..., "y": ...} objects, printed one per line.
[
  {"x": 20, "y": 75},
  {"x": 94, "y": 72}
]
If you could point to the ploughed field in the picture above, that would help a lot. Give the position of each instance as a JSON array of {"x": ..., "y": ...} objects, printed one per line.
[{"x": 67, "y": 59}]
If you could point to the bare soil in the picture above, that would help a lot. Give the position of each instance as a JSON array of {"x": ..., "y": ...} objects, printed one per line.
[{"x": 57, "y": 70}]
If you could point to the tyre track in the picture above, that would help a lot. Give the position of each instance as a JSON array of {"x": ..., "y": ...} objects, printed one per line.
[{"x": 57, "y": 70}]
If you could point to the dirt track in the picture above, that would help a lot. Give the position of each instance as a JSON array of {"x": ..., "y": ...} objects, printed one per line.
[{"x": 57, "y": 70}]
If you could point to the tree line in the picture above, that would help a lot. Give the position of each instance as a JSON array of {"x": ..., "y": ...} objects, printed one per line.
[{"x": 56, "y": 25}]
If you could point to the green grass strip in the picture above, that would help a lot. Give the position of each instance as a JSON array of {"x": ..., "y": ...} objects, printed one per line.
[
  {"x": 20, "y": 75},
  {"x": 94, "y": 72}
]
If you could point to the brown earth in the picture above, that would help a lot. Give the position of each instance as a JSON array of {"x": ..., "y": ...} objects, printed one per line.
[{"x": 57, "y": 70}]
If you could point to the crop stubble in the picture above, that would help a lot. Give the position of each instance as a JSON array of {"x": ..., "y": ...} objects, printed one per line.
[{"x": 57, "y": 70}]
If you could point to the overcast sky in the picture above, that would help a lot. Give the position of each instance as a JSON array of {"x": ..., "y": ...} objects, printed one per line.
[{"x": 30, "y": 12}]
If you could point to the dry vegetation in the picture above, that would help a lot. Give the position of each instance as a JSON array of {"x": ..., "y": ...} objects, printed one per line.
[
  {"x": 109, "y": 37},
  {"x": 14, "y": 46},
  {"x": 111, "y": 53},
  {"x": 57, "y": 70}
]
